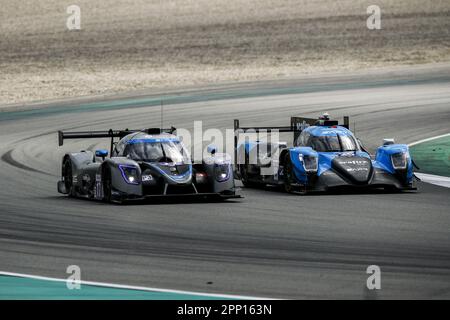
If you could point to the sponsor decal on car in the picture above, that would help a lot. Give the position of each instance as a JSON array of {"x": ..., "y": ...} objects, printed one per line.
[{"x": 147, "y": 178}]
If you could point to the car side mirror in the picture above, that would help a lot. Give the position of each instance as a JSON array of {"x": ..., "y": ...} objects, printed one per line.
[
  {"x": 102, "y": 153},
  {"x": 361, "y": 145},
  {"x": 211, "y": 149}
]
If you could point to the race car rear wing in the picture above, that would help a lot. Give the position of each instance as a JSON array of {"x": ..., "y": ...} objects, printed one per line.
[
  {"x": 298, "y": 124},
  {"x": 301, "y": 123},
  {"x": 238, "y": 129},
  {"x": 107, "y": 134}
]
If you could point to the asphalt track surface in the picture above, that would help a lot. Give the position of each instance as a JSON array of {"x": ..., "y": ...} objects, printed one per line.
[{"x": 269, "y": 244}]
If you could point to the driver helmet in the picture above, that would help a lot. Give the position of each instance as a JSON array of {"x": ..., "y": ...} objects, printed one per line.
[{"x": 325, "y": 116}]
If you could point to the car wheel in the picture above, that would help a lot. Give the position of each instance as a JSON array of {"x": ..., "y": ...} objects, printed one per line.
[
  {"x": 244, "y": 177},
  {"x": 107, "y": 184},
  {"x": 68, "y": 177},
  {"x": 391, "y": 189},
  {"x": 288, "y": 173}
]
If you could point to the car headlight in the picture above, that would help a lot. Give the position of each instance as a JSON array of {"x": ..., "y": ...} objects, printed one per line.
[
  {"x": 310, "y": 163},
  {"x": 399, "y": 161},
  {"x": 222, "y": 172},
  {"x": 130, "y": 174}
]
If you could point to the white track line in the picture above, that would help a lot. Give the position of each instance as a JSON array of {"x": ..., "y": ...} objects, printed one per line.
[
  {"x": 429, "y": 139},
  {"x": 430, "y": 178},
  {"x": 147, "y": 289},
  {"x": 433, "y": 179}
]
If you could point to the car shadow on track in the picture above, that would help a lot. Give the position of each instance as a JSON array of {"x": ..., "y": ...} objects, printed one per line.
[
  {"x": 331, "y": 192},
  {"x": 156, "y": 201}
]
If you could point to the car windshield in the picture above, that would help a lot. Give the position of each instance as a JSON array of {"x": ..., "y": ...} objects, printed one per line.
[
  {"x": 161, "y": 151},
  {"x": 338, "y": 143}
]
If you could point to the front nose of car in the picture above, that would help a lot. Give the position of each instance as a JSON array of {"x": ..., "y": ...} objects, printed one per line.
[
  {"x": 356, "y": 169},
  {"x": 176, "y": 174}
]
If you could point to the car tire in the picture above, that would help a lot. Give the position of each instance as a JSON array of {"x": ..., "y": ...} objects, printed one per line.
[
  {"x": 288, "y": 173},
  {"x": 391, "y": 189},
  {"x": 244, "y": 177},
  {"x": 107, "y": 184},
  {"x": 68, "y": 177}
]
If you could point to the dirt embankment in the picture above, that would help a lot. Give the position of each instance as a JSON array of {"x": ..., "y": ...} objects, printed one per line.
[{"x": 125, "y": 45}]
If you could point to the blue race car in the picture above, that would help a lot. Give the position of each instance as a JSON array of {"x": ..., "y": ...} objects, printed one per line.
[{"x": 325, "y": 156}]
